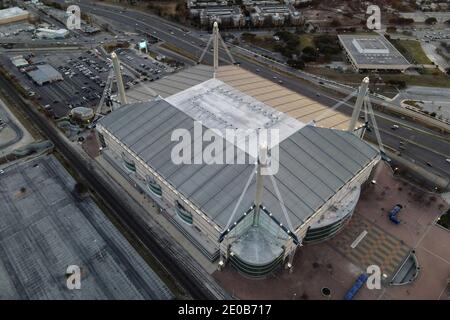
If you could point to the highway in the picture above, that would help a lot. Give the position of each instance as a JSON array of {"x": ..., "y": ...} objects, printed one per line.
[
  {"x": 428, "y": 148},
  {"x": 183, "y": 271}
]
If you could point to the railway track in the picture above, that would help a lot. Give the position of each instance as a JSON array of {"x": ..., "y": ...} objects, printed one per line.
[{"x": 121, "y": 210}]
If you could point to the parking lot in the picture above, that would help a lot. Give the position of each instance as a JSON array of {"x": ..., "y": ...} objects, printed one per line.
[
  {"x": 147, "y": 68},
  {"x": 85, "y": 77}
]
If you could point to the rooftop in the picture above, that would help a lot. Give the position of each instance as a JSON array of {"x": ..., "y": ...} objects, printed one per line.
[
  {"x": 271, "y": 94},
  {"x": 45, "y": 73},
  {"x": 372, "y": 50},
  {"x": 44, "y": 228},
  {"x": 314, "y": 163},
  {"x": 220, "y": 106},
  {"x": 19, "y": 61},
  {"x": 12, "y": 12}
]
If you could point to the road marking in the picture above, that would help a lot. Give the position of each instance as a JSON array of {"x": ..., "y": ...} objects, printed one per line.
[
  {"x": 358, "y": 239},
  {"x": 413, "y": 143}
]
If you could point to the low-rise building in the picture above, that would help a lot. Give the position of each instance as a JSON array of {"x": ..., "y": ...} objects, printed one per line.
[
  {"x": 14, "y": 14},
  {"x": 275, "y": 15},
  {"x": 45, "y": 73},
  {"x": 45, "y": 33},
  {"x": 224, "y": 15},
  {"x": 19, "y": 61},
  {"x": 372, "y": 53},
  {"x": 82, "y": 114}
]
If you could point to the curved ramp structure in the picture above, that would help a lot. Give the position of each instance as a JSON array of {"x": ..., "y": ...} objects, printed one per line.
[{"x": 408, "y": 271}]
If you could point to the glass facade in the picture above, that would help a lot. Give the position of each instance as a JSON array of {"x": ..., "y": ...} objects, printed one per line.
[
  {"x": 185, "y": 215},
  {"x": 326, "y": 232},
  {"x": 128, "y": 163},
  {"x": 253, "y": 265},
  {"x": 255, "y": 271},
  {"x": 154, "y": 188}
]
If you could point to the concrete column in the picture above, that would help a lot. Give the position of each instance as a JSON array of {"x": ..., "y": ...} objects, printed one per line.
[
  {"x": 216, "y": 46},
  {"x": 359, "y": 101},
  {"x": 262, "y": 162},
  {"x": 119, "y": 81}
]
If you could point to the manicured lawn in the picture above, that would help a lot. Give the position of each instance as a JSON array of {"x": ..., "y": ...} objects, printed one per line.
[
  {"x": 412, "y": 50},
  {"x": 265, "y": 42},
  {"x": 306, "y": 41}
]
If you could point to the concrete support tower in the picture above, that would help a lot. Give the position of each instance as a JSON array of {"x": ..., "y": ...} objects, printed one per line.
[
  {"x": 262, "y": 162},
  {"x": 359, "y": 101},
  {"x": 119, "y": 81},
  {"x": 216, "y": 46}
]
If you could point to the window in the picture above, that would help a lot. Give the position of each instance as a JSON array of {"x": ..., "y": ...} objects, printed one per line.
[
  {"x": 185, "y": 215},
  {"x": 154, "y": 187},
  {"x": 129, "y": 164}
]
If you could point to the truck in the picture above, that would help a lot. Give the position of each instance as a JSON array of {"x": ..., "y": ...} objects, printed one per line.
[
  {"x": 356, "y": 287},
  {"x": 394, "y": 212}
]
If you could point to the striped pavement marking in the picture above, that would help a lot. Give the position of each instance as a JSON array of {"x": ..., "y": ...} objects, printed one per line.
[{"x": 375, "y": 246}]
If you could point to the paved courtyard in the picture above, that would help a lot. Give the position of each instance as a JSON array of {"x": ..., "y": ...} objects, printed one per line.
[{"x": 336, "y": 265}]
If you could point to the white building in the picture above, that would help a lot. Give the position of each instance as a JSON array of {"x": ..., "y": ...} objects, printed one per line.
[
  {"x": 45, "y": 33},
  {"x": 14, "y": 14}
]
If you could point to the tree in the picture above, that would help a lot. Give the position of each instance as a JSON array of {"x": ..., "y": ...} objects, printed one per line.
[
  {"x": 431, "y": 20},
  {"x": 297, "y": 64},
  {"x": 391, "y": 29},
  {"x": 327, "y": 45},
  {"x": 309, "y": 54},
  {"x": 335, "y": 23},
  {"x": 401, "y": 21}
]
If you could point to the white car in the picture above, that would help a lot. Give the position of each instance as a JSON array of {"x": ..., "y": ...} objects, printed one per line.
[{"x": 448, "y": 160}]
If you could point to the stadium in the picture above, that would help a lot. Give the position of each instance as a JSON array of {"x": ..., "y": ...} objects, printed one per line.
[{"x": 231, "y": 212}]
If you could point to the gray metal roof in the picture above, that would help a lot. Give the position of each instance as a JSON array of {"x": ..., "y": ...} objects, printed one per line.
[
  {"x": 370, "y": 45},
  {"x": 314, "y": 164},
  {"x": 45, "y": 73}
]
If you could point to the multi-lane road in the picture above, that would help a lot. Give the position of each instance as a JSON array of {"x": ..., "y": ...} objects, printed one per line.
[{"x": 423, "y": 146}]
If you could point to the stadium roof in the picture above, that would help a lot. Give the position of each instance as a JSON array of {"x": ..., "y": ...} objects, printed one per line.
[
  {"x": 272, "y": 94},
  {"x": 373, "y": 51},
  {"x": 220, "y": 106},
  {"x": 314, "y": 164}
]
